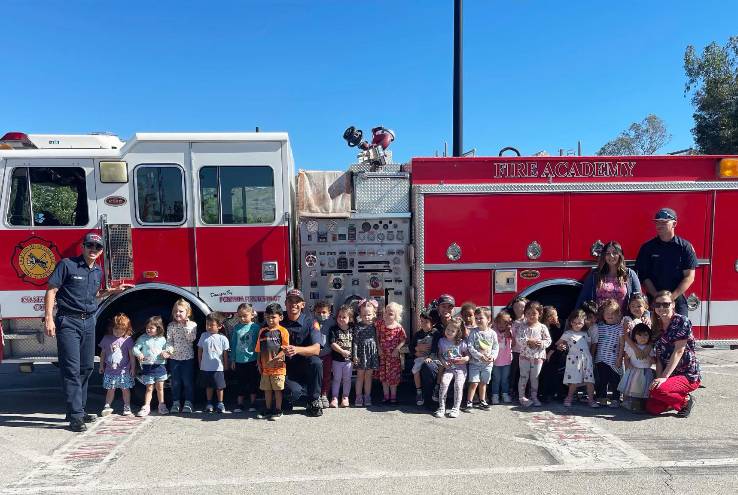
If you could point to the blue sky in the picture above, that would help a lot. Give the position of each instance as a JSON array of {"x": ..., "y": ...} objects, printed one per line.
[{"x": 537, "y": 75}]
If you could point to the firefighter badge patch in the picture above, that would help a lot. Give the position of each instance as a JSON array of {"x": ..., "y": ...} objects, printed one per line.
[{"x": 34, "y": 260}]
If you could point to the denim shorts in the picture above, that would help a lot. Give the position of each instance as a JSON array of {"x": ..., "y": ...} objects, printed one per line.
[
  {"x": 479, "y": 373},
  {"x": 151, "y": 373}
]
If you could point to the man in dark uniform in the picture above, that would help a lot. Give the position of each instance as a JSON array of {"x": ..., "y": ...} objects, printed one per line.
[
  {"x": 667, "y": 262},
  {"x": 74, "y": 287},
  {"x": 441, "y": 315},
  {"x": 304, "y": 367}
]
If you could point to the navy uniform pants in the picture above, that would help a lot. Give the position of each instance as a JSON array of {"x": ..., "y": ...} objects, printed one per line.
[
  {"x": 304, "y": 374},
  {"x": 75, "y": 344}
]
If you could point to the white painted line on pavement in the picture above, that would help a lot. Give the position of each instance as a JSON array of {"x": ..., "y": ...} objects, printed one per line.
[{"x": 150, "y": 485}]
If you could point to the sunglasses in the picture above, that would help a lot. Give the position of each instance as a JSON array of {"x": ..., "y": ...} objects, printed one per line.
[
  {"x": 661, "y": 304},
  {"x": 94, "y": 245}
]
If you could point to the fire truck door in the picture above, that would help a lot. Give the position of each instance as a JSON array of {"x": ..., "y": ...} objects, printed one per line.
[{"x": 241, "y": 230}]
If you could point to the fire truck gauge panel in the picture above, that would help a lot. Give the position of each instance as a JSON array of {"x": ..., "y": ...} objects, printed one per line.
[
  {"x": 453, "y": 252},
  {"x": 366, "y": 227},
  {"x": 380, "y": 237},
  {"x": 534, "y": 250},
  {"x": 693, "y": 302},
  {"x": 312, "y": 226},
  {"x": 332, "y": 226},
  {"x": 311, "y": 259}
]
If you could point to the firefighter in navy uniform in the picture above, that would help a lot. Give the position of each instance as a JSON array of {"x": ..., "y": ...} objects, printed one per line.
[
  {"x": 74, "y": 287},
  {"x": 304, "y": 367}
]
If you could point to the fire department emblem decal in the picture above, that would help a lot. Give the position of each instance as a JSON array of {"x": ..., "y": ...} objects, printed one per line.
[{"x": 34, "y": 260}]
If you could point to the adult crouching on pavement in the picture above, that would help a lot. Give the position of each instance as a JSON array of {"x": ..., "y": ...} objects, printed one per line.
[
  {"x": 429, "y": 371},
  {"x": 75, "y": 288},
  {"x": 304, "y": 367},
  {"x": 677, "y": 367},
  {"x": 611, "y": 279}
]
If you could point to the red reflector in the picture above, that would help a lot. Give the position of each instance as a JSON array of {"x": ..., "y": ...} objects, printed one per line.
[
  {"x": 14, "y": 136},
  {"x": 150, "y": 274}
]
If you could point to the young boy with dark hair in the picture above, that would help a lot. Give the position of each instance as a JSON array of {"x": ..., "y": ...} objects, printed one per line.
[
  {"x": 424, "y": 336},
  {"x": 270, "y": 344},
  {"x": 322, "y": 311},
  {"x": 212, "y": 354}
]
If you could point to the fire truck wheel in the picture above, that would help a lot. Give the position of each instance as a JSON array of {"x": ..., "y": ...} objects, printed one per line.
[{"x": 563, "y": 297}]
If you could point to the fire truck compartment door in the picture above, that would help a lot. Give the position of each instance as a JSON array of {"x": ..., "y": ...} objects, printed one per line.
[
  {"x": 242, "y": 193},
  {"x": 489, "y": 228}
]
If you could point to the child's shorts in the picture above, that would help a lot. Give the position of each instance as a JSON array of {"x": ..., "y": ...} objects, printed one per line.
[
  {"x": 212, "y": 379},
  {"x": 152, "y": 373},
  {"x": 272, "y": 382},
  {"x": 117, "y": 381},
  {"x": 479, "y": 373}
]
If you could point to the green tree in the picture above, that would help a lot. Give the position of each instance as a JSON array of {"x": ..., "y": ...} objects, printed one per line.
[
  {"x": 641, "y": 138},
  {"x": 713, "y": 77}
]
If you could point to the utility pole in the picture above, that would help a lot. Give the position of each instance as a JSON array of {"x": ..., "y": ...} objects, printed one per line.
[{"x": 458, "y": 100}]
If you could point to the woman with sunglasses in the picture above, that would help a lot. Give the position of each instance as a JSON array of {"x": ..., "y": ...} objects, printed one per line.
[
  {"x": 74, "y": 288},
  {"x": 611, "y": 279},
  {"x": 677, "y": 368}
]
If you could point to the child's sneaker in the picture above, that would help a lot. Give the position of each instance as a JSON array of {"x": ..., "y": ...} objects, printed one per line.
[
  {"x": 453, "y": 413},
  {"x": 143, "y": 412},
  {"x": 275, "y": 416},
  {"x": 252, "y": 409},
  {"x": 127, "y": 410},
  {"x": 367, "y": 400},
  {"x": 525, "y": 402},
  {"x": 440, "y": 412},
  {"x": 106, "y": 410},
  {"x": 344, "y": 402},
  {"x": 334, "y": 403},
  {"x": 419, "y": 400},
  {"x": 264, "y": 414},
  {"x": 163, "y": 409},
  {"x": 435, "y": 393},
  {"x": 483, "y": 404},
  {"x": 237, "y": 410},
  {"x": 466, "y": 406},
  {"x": 594, "y": 404},
  {"x": 614, "y": 404},
  {"x": 495, "y": 400},
  {"x": 209, "y": 408},
  {"x": 506, "y": 398},
  {"x": 175, "y": 408},
  {"x": 536, "y": 402},
  {"x": 220, "y": 408},
  {"x": 359, "y": 402},
  {"x": 187, "y": 408},
  {"x": 324, "y": 403}
]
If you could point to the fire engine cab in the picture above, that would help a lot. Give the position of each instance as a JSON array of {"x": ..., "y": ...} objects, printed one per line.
[
  {"x": 205, "y": 217},
  {"x": 220, "y": 219}
]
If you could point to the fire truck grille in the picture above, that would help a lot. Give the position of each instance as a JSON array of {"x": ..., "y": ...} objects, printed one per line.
[{"x": 121, "y": 256}]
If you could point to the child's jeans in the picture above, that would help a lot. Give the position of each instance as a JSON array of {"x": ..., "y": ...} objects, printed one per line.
[
  {"x": 182, "y": 379},
  {"x": 327, "y": 361},
  {"x": 500, "y": 380},
  {"x": 605, "y": 378},
  {"x": 341, "y": 375},
  {"x": 529, "y": 370},
  {"x": 458, "y": 375}
]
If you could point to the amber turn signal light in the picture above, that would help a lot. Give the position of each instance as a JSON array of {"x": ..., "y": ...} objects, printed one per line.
[{"x": 728, "y": 168}]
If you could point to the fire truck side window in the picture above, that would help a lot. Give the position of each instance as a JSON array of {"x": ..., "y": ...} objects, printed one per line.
[
  {"x": 58, "y": 197},
  {"x": 237, "y": 195},
  {"x": 160, "y": 194}
]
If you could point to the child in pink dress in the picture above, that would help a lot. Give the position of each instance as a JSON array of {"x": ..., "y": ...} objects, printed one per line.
[{"x": 391, "y": 338}]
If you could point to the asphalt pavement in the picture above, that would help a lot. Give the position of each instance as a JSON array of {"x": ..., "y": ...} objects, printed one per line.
[{"x": 400, "y": 449}]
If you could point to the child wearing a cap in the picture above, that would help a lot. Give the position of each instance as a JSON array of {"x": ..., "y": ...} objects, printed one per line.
[{"x": 424, "y": 336}]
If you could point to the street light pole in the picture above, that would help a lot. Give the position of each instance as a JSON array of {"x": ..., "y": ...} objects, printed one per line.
[{"x": 458, "y": 100}]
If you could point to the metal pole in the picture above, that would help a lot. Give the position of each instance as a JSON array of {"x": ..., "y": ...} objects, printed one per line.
[{"x": 458, "y": 100}]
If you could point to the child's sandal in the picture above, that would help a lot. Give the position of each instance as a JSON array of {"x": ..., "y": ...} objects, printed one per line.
[{"x": 568, "y": 401}]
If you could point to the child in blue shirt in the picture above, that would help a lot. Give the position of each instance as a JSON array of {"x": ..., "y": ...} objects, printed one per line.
[{"x": 243, "y": 342}]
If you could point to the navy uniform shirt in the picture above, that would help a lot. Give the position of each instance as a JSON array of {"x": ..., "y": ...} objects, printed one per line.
[
  {"x": 663, "y": 263},
  {"x": 304, "y": 332},
  {"x": 77, "y": 283}
]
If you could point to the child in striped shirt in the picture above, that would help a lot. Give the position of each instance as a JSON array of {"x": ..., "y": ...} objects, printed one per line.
[{"x": 609, "y": 353}]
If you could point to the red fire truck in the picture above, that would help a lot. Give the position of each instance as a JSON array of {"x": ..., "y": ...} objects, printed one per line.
[{"x": 210, "y": 217}]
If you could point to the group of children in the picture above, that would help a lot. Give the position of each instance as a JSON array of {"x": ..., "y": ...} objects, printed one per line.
[{"x": 599, "y": 349}]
